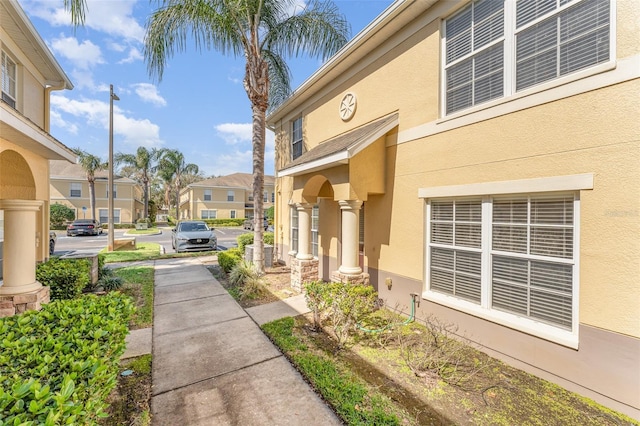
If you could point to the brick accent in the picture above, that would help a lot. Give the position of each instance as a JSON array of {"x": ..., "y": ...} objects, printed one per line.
[
  {"x": 33, "y": 301},
  {"x": 303, "y": 271},
  {"x": 338, "y": 277}
]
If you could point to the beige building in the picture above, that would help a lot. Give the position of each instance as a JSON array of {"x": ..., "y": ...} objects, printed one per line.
[
  {"x": 223, "y": 197},
  {"x": 29, "y": 73},
  {"x": 69, "y": 186},
  {"x": 486, "y": 156}
]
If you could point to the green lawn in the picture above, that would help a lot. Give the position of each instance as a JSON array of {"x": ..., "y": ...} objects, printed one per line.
[
  {"x": 143, "y": 231},
  {"x": 144, "y": 251},
  {"x": 138, "y": 284}
]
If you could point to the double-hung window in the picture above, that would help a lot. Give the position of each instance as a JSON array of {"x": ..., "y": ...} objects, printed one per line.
[
  {"x": 494, "y": 48},
  {"x": 75, "y": 189},
  {"x": 508, "y": 258},
  {"x": 294, "y": 228},
  {"x": 231, "y": 195},
  {"x": 207, "y": 195},
  {"x": 208, "y": 214},
  {"x": 315, "y": 223},
  {"x": 296, "y": 138},
  {"x": 103, "y": 215},
  {"x": 115, "y": 191},
  {"x": 9, "y": 75}
]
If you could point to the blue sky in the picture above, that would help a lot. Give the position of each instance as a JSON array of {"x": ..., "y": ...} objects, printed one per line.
[{"x": 200, "y": 106}]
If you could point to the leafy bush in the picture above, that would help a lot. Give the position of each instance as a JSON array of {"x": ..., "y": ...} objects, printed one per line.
[
  {"x": 315, "y": 294},
  {"x": 65, "y": 277},
  {"x": 224, "y": 222},
  {"x": 229, "y": 258},
  {"x": 58, "y": 365},
  {"x": 109, "y": 281},
  {"x": 247, "y": 239},
  {"x": 59, "y": 214}
]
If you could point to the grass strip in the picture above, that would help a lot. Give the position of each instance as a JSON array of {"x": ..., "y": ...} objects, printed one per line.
[
  {"x": 138, "y": 284},
  {"x": 354, "y": 401},
  {"x": 143, "y": 251}
]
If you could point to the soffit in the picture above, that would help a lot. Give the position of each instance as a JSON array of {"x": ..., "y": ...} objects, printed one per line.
[{"x": 340, "y": 149}]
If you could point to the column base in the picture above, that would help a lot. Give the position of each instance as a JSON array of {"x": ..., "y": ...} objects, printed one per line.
[
  {"x": 303, "y": 271},
  {"x": 11, "y": 305},
  {"x": 361, "y": 278}
]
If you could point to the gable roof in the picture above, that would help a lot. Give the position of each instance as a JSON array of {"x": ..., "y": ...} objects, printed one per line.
[
  {"x": 59, "y": 169},
  {"x": 235, "y": 180}
]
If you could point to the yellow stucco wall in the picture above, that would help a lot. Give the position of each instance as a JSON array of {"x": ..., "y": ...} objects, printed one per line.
[{"x": 592, "y": 132}]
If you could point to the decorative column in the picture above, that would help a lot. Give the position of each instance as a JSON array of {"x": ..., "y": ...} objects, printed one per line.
[
  {"x": 350, "y": 228},
  {"x": 304, "y": 267},
  {"x": 20, "y": 290}
]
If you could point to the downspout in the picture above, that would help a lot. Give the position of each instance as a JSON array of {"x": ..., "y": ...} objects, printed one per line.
[{"x": 58, "y": 85}]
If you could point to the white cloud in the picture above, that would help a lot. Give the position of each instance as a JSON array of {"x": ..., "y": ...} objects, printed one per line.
[
  {"x": 58, "y": 121},
  {"x": 83, "y": 55},
  {"x": 234, "y": 133},
  {"x": 149, "y": 93},
  {"x": 213, "y": 162},
  {"x": 110, "y": 17},
  {"x": 129, "y": 130},
  {"x": 134, "y": 55}
]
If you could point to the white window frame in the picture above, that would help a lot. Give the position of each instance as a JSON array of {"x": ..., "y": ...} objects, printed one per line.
[
  {"x": 296, "y": 138},
  {"x": 487, "y": 191},
  {"x": 9, "y": 81},
  {"x": 510, "y": 32},
  {"x": 294, "y": 230},
  {"x": 315, "y": 225},
  {"x": 207, "y": 195},
  {"x": 273, "y": 197},
  {"x": 210, "y": 214},
  {"x": 75, "y": 186},
  {"x": 232, "y": 214},
  {"x": 231, "y": 196},
  {"x": 116, "y": 215},
  {"x": 115, "y": 191}
]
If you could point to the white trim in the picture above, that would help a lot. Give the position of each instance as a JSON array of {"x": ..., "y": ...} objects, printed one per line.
[
  {"x": 547, "y": 184},
  {"x": 341, "y": 157},
  {"x": 597, "y": 77}
]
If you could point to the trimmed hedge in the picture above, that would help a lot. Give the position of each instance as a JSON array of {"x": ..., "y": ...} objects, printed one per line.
[
  {"x": 65, "y": 277},
  {"x": 229, "y": 258},
  {"x": 59, "y": 365},
  {"x": 247, "y": 239},
  {"x": 224, "y": 222}
]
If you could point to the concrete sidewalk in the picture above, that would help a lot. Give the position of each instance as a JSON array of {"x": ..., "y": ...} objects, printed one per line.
[{"x": 212, "y": 365}]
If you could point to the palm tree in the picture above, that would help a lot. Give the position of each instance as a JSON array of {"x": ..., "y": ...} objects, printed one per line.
[
  {"x": 91, "y": 164},
  {"x": 173, "y": 168},
  {"x": 142, "y": 163},
  {"x": 77, "y": 9},
  {"x": 261, "y": 31}
]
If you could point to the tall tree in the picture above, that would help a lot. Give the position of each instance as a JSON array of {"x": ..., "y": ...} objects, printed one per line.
[
  {"x": 143, "y": 163},
  {"x": 91, "y": 164},
  {"x": 173, "y": 167},
  {"x": 263, "y": 32}
]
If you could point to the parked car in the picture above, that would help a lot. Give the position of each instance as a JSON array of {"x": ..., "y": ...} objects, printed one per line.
[
  {"x": 84, "y": 227},
  {"x": 52, "y": 242},
  {"x": 193, "y": 235},
  {"x": 248, "y": 224}
]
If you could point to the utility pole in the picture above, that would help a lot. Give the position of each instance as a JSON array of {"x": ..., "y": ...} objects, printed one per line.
[{"x": 112, "y": 97}]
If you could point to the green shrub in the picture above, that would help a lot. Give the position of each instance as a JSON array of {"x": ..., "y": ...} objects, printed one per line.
[
  {"x": 224, "y": 222},
  {"x": 65, "y": 277},
  {"x": 249, "y": 281},
  {"x": 247, "y": 239},
  {"x": 109, "y": 281},
  {"x": 59, "y": 365},
  {"x": 59, "y": 214},
  {"x": 229, "y": 258}
]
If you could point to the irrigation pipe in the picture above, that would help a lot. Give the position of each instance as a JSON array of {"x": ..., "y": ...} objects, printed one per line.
[{"x": 405, "y": 322}]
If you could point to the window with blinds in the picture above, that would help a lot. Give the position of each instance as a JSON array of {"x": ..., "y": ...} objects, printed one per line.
[
  {"x": 315, "y": 222},
  {"x": 294, "y": 228},
  {"x": 508, "y": 254},
  {"x": 9, "y": 75},
  {"x": 552, "y": 38},
  {"x": 296, "y": 138}
]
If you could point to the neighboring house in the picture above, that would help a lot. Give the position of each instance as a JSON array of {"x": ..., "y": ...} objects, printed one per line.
[
  {"x": 223, "y": 197},
  {"x": 29, "y": 73},
  {"x": 69, "y": 186},
  {"x": 485, "y": 155}
]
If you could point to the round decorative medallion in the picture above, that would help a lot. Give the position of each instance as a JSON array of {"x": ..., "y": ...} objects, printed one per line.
[{"x": 348, "y": 106}]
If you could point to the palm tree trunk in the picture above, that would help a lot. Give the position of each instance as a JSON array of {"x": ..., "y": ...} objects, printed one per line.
[
  {"x": 145, "y": 195},
  {"x": 92, "y": 198},
  {"x": 259, "y": 113}
]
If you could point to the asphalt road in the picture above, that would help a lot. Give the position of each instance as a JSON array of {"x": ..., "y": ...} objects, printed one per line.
[{"x": 226, "y": 239}]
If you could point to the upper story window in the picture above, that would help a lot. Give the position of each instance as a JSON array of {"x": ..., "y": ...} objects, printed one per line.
[
  {"x": 296, "y": 138},
  {"x": 231, "y": 196},
  {"x": 266, "y": 196},
  {"x": 494, "y": 49},
  {"x": 273, "y": 197},
  {"x": 75, "y": 189},
  {"x": 9, "y": 74},
  {"x": 207, "y": 195},
  {"x": 115, "y": 191}
]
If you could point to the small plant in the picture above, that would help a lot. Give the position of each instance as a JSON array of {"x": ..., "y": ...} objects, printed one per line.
[
  {"x": 315, "y": 294},
  {"x": 247, "y": 239},
  {"x": 249, "y": 281}
]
